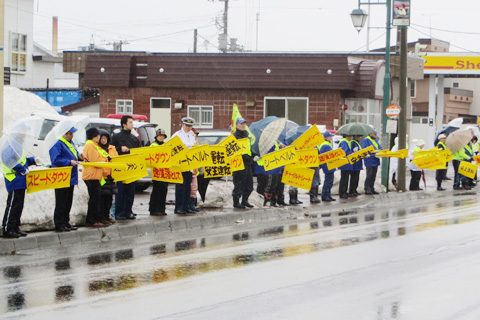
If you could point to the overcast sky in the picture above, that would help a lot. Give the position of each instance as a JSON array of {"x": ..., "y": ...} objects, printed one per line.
[{"x": 293, "y": 25}]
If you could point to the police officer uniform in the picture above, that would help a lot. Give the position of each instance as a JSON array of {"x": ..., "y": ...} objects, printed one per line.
[{"x": 182, "y": 191}]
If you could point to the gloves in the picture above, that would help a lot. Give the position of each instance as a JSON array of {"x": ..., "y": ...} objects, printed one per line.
[
  {"x": 25, "y": 173},
  {"x": 38, "y": 161},
  {"x": 256, "y": 158}
]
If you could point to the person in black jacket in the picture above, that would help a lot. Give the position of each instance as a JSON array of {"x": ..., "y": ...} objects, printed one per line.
[
  {"x": 243, "y": 179},
  {"x": 123, "y": 142}
]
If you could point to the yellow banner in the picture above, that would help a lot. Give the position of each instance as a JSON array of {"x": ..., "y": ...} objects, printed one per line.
[
  {"x": 177, "y": 149},
  {"x": 359, "y": 155},
  {"x": 428, "y": 161},
  {"x": 298, "y": 177},
  {"x": 157, "y": 157},
  {"x": 172, "y": 174},
  {"x": 309, "y": 139},
  {"x": 467, "y": 169},
  {"x": 306, "y": 159},
  {"x": 43, "y": 179},
  {"x": 109, "y": 165},
  {"x": 244, "y": 144},
  {"x": 232, "y": 164},
  {"x": 233, "y": 147},
  {"x": 336, "y": 163},
  {"x": 477, "y": 159},
  {"x": 331, "y": 155},
  {"x": 439, "y": 167},
  {"x": 136, "y": 168},
  {"x": 279, "y": 158},
  {"x": 202, "y": 156},
  {"x": 402, "y": 154}
]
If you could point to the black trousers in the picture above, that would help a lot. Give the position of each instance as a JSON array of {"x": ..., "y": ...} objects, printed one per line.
[
  {"x": 439, "y": 176},
  {"x": 13, "y": 210},
  {"x": 344, "y": 177},
  {"x": 415, "y": 180},
  {"x": 63, "y": 205},
  {"x": 182, "y": 192},
  {"x": 262, "y": 181},
  {"x": 158, "y": 197},
  {"x": 354, "y": 178},
  {"x": 124, "y": 199},
  {"x": 106, "y": 201},
  {"x": 371, "y": 175},
  {"x": 94, "y": 212},
  {"x": 243, "y": 182},
  {"x": 275, "y": 186}
]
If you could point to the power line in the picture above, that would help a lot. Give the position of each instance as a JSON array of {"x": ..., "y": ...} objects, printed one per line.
[
  {"x": 444, "y": 30},
  {"x": 451, "y": 44}
]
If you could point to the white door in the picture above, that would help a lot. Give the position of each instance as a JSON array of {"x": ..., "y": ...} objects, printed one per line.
[{"x": 161, "y": 113}]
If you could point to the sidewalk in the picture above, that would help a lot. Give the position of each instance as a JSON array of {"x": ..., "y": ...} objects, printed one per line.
[{"x": 162, "y": 226}]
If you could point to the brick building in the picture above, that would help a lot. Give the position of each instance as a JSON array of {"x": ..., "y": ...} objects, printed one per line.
[{"x": 305, "y": 88}]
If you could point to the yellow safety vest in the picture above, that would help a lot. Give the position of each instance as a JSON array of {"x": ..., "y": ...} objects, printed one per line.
[
  {"x": 373, "y": 142},
  {"x": 100, "y": 150},
  {"x": 349, "y": 142},
  {"x": 69, "y": 146},
  {"x": 154, "y": 144},
  {"x": 442, "y": 144},
  {"x": 10, "y": 173}
]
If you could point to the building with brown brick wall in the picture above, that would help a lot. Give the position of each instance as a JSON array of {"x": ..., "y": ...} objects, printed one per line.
[{"x": 305, "y": 88}]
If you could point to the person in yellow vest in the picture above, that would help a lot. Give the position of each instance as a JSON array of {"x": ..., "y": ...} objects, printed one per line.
[
  {"x": 94, "y": 178},
  {"x": 440, "y": 174},
  {"x": 415, "y": 171},
  {"x": 458, "y": 157},
  {"x": 16, "y": 184},
  {"x": 345, "y": 170},
  {"x": 469, "y": 151},
  {"x": 371, "y": 163},
  {"x": 158, "y": 197},
  {"x": 109, "y": 189},
  {"x": 65, "y": 154},
  {"x": 326, "y": 146}
]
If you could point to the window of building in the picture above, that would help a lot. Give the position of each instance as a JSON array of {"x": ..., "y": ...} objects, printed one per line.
[
  {"x": 203, "y": 116},
  {"x": 294, "y": 109},
  {"x": 18, "y": 52},
  {"x": 413, "y": 89},
  {"x": 366, "y": 111},
  {"x": 456, "y": 84},
  {"x": 124, "y": 107},
  {"x": 160, "y": 103}
]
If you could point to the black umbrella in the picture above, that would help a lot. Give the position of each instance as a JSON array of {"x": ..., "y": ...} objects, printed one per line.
[{"x": 202, "y": 185}]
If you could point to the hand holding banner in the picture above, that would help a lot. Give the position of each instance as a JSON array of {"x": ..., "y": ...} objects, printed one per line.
[
  {"x": 298, "y": 177},
  {"x": 309, "y": 139},
  {"x": 43, "y": 179}
]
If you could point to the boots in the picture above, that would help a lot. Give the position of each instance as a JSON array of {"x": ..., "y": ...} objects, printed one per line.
[
  {"x": 281, "y": 201},
  {"x": 439, "y": 186},
  {"x": 237, "y": 204},
  {"x": 314, "y": 195},
  {"x": 294, "y": 197},
  {"x": 245, "y": 202},
  {"x": 191, "y": 206},
  {"x": 465, "y": 185},
  {"x": 270, "y": 197}
]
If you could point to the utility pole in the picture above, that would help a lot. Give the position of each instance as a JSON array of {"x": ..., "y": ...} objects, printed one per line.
[
  {"x": 402, "y": 119},
  {"x": 256, "y": 38},
  {"x": 223, "y": 38},
  {"x": 2, "y": 45},
  {"x": 195, "y": 34}
]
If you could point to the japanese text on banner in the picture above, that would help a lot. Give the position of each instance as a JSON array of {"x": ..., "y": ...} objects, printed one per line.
[
  {"x": 298, "y": 177},
  {"x": 279, "y": 158},
  {"x": 309, "y": 139},
  {"x": 172, "y": 174},
  {"x": 55, "y": 178},
  {"x": 306, "y": 159},
  {"x": 232, "y": 164},
  {"x": 156, "y": 157},
  {"x": 428, "y": 161},
  {"x": 203, "y": 156},
  {"x": 177, "y": 149},
  {"x": 136, "y": 168},
  {"x": 467, "y": 169},
  {"x": 336, "y": 163},
  {"x": 331, "y": 155},
  {"x": 359, "y": 155},
  {"x": 233, "y": 147}
]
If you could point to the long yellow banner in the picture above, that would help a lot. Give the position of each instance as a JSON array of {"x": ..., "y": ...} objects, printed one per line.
[
  {"x": 309, "y": 139},
  {"x": 306, "y": 159},
  {"x": 279, "y": 158},
  {"x": 298, "y": 177},
  {"x": 331, "y": 155},
  {"x": 202, "y": 156},
  {"x": 43, "y": 179},
  {"x": 402, "y": 154},
  {"x": 172, "y": 174},
  {"x": 336, "y": 163},
  {"x": 232, "y": 146},
  {"x": 109, "y": 165},
  {"x": 359, "y": 155},
  {"x": 157, "y": 157},
  {"x": 135, "y": 169}
]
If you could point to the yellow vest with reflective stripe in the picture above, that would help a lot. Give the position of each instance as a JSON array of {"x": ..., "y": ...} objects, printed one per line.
[
  {"x": 70, "y": 147},
  {"x": 100, "y": 150},
  {"x": 373, "y": 142},
  {"x": 10, "y": 173}
]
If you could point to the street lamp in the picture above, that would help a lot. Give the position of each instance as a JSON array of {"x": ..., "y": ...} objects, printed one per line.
[{"x": 359, "y": 18}]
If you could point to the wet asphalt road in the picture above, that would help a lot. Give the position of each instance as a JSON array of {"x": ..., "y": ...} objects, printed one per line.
[{"x": 408, "y": 262}]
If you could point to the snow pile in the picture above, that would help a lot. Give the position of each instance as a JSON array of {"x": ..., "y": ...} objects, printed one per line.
[
  {"x": 219, "y": 195},
  {"x": 38, "y": 210}
]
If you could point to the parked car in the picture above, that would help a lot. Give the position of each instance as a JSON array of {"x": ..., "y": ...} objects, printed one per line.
[{"x": 212, "y": 136}]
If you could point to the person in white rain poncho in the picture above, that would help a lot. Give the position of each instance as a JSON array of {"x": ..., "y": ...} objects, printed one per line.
[
  {"x": 415, "y": 171},
  {"x": 394, "y": 162}
]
